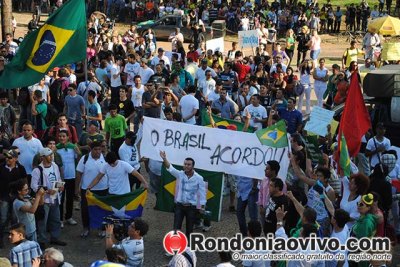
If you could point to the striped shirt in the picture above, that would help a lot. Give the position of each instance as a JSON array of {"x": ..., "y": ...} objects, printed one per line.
[{"x": 23, "y": 254}]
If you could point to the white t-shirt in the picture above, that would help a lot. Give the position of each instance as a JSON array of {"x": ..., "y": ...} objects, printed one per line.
[
  {"x": 201, "y": 74},
  {"x": 129, "y": 154},
  {"x": 118, "y": 177},
  {"x": 188, "y": 103},
  {"x": 207, "y": 86},
  {"x": 371, "y": 147},
  {"x": 137, "y": 94},
  {"x": 90, "y": 170},
  {"x": 349, "y": 206},
  {"x": 28, "y": 149},
  {"x": 134, "y": 250},
  {"x": 131, "y": 70},
  {"x": 256, "y": 113},
  {"x": 145, "y": 74},
  {"x": 342, "y": 236},
  {"x": 68, "y": 156},
  {"x": 115, "y": 82},
  {"x": 156, "y": 60},
  {"x": 43, "y": 89}
]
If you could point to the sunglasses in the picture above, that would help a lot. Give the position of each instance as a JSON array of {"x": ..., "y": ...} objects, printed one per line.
[{"x": 361, "y": 204}]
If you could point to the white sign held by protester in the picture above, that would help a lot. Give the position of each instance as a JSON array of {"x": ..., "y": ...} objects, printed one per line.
[
  {"x": 213, "y": 149},
  {"x": 248, "y": 39},
  {"x": 216, "y": 44},
  {"x": 319, "y": 120}
]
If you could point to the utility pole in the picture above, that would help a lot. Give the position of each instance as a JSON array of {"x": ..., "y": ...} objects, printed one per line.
[{"x": 6, "y": 11}]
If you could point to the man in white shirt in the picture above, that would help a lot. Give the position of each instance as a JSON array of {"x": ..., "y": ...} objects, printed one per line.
[
  {"x": 115, "y": 78},
  {"x": 28, "y": 146},
  {"x": 207, "y": 86},
  {"x": 189, "y": 106},
  {"x": 175, "y": 37},
  {"x": 145, "y": 72},
  {"x": 129, "y": 153},
  {"x": 133, "y": 245},
  {"x": 190, "y": 196},
  {"x": 160, "y": 56},
  {"x": 201, "y": 72},
  {"x": 131, "y": 69},
  {"x": 88, "y": 168},
  {"x": 118, "y": 175},
  {"x": 258, "y": 113},
  {"x": 377, "y": 145}
]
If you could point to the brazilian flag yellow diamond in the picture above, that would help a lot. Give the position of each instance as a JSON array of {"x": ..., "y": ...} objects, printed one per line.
[
  {"x": 49, "y": 42},
  {"x": 274, "y": 136}
]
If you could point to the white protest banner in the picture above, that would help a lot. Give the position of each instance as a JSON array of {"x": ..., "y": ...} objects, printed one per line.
[
  {"x": 319, "y": 120},
  {"x": 216, "y": 44},
  {"x": 248, "y": 39},
  {"x": 213, "y": 149}
]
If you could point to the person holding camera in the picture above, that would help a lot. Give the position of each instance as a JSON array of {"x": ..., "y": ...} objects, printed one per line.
[
  {"x": 133, "y": 245},
  {"x": 45, "y": 176}
]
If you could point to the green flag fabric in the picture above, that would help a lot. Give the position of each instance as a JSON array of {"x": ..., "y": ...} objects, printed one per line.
[
  {"x": 166, "y": 195},
  {"x": 344, "y": 160},
  {"x": 312, "y": 147},
  {"x": 274, "y": 136},
  {"x": 61, "y": 40},
  {"x": 205, "y": 121}
]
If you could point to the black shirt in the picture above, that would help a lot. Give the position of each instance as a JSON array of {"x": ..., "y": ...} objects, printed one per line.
[
  {"x": 270, "y": 215},
  {"x": 125, "y": 108},
  {"x": 7, "y": 177},
  {"x": 153, "y": 112}
]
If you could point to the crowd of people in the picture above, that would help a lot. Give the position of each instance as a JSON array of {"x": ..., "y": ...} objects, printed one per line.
[{"x": 79, "y": 131}]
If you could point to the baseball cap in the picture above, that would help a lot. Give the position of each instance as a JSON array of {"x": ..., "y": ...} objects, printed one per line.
[
  {"x": 145, "y": 60},
  {"x": 11, "y": 154},
  {"x": 46, "y": 152}
]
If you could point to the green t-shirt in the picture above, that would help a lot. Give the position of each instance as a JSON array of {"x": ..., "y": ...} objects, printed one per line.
[
  {"x": 41, "y": 109},
  {"x": 116, "y": 126},
  {"x": 291, "y": 42}
]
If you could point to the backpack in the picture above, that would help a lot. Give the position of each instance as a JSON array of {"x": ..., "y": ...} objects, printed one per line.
[
  {"x": 57, "y": 93},
  {"x": 51, "y": 116},
  {"x": 23, "y": 96},
  {"x": 298, "y": 88}
]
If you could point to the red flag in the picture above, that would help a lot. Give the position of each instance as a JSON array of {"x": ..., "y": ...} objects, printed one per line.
[{"x": 355, "y": 120}]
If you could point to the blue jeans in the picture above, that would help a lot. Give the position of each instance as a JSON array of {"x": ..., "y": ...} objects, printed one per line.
[
  {"x": 51, "y": 221},
  {"x": 314, "y": 54},
  {"x": 251, "y": 202}
]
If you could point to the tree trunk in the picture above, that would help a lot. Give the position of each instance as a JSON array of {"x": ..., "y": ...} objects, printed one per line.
[{"x": 6, "y": 12}]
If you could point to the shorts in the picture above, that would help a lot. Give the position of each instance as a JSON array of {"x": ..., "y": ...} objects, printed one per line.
[
  {"x": 231, "y": 182},
  {"x": 314, "y": 54}
]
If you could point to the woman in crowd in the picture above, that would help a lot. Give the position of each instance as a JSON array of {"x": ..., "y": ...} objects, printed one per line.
[
  {"x": 353, "y": 189},
  {"x": 290, "y": 44},
  {"x": 305, "y": 69},
  {"x": 321, "y": 76},
  {"x": 291, "y": 81}
]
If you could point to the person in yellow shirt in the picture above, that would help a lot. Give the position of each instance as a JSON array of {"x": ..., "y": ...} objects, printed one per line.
[{"x": 351, "y": 54}]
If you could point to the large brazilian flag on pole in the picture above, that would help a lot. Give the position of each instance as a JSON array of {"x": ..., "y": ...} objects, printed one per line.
[{"x": 61, "y": 40}]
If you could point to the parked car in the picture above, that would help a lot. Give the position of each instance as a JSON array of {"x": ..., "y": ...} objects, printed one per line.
[{"x": 166, "y": 25}]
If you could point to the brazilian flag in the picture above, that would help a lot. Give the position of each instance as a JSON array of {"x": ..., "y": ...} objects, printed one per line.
[
  {"x": 344, "y": 160},
  {"x": 61, "y": 40},
  {"x": 274, "y": 136},
  {"x": 129, "y": 205},
  {"x": 166, "y": 194},
  {"x": 205, "y": 120}
]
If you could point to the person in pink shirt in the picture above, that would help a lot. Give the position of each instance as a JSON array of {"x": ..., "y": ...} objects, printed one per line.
[
  {"x": 271, "y": 172},
  {"x": 315, "y": 46}
]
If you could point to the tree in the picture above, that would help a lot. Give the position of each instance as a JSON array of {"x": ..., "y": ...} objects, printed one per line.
[{"x": 6, "y": 12}]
